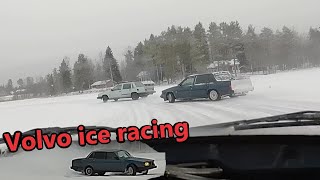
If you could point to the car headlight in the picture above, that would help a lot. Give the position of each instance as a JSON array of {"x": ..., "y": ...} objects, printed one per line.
[{"x": 146, "y": 164}]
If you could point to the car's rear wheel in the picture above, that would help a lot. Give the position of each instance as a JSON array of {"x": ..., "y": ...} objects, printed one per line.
[
  {"x": 105, "y": 98},
  {"x": 214, "y": 95},
  {"x": 101, "y": 173},
  {"x": 131, "y": 170},
  {"x": 89, "y": 171},
  {"x": 144, "y": 172},
  {"x": 171, "y": 98},
  {"x": 135, "y": 96}
]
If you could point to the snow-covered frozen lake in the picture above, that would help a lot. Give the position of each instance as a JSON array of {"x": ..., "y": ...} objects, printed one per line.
[{"x": 274, "y": 94}]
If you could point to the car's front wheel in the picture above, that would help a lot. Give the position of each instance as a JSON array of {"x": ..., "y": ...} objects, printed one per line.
[
  {"x": 105, "y": 98},
  {"x": 88, "y": 171},
  {"x": 171, "y": 98},
  {"x": 131, "y": 170}
]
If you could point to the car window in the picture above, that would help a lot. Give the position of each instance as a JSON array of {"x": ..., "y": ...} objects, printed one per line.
[
  {"x": 139, "y": 84},
  {"x": 123, "y": 154},
  {"x": 117, "y": 87},
  {"x": 201, "y": 79},
  {"x": 211, "y": 78},
  {"x": 126, "y": 86},
  {"x": 188, "y": 81},
  {"x": 99, "y": 155},
  {"x": 111, "y": 156},
  {"x": 91, "y": 155}
]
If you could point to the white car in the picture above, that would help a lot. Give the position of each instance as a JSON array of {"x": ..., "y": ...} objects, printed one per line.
[
  {"x": 132, "y": 90},
  {"x": 149, "y": 87}
]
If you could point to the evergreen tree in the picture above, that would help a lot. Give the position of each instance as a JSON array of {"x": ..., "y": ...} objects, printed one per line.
[
  {"x": 83, "y": 73},
  {"x": 252, "y": 46},
  {"x": 128, "y": 57},
  {"x": 138, "y": 56},
  {"x": 111, "y": 66},
  {"x": 216, "y": 44},
  {"x": 9, "y": 86},
  {"x": 201, "y": 48},
  {"x": 65, "y": 74},
  {"x": 314, "y": 46},
  {"x": 20, "y": 83},
  {"x": 57, "y": 81},
  {"x": 99, "y": 74},
  {"x": 130, "y": 70},
  {"x": 29, "y": 81},
  {"x": 266, "y": 38},
  {"x": 50, "y": 84}
]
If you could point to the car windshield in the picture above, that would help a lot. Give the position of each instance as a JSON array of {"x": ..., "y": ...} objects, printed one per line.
[
  {"x": 123, "y": 154},
  {"x": 188, "y": 81},
  {"x": 117, "y": 87}
]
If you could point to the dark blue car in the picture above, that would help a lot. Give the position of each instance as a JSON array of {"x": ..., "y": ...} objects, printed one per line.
[
  {"x": 102, "y": 161},
  {"x": 199, "y": 86}
]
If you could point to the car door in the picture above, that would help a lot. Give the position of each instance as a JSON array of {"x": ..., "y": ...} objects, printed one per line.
[
  {"x": 200, "y": 87},
  {"x": 184, "y": 88},
  {"x": 116, "y": 91},
  {"x": 114, "y": 163},
  {"x": 98, "y": 161},
  {"x": 126, "y": 90}
]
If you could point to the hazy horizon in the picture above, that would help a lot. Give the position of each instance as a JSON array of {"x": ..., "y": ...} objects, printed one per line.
[{"x": 37, "y": 34}]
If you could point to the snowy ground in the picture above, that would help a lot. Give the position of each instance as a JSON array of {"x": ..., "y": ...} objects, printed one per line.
[{"x": 274, "y": 94}]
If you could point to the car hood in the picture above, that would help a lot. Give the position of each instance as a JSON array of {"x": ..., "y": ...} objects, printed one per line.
[
  {"x": 138, "y": 159},
  {"x": 104, "y": 92},
  {"x": 171, "y": 88},
  {"x": 78, "y": 159}
]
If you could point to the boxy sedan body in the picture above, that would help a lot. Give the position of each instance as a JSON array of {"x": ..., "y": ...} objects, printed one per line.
[{"x": 103, "y": 161}]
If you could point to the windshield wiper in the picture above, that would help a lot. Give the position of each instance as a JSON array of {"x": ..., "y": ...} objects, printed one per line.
[
  {"x": 71, "y": 130},
  {"x": 303, "y": 118}
]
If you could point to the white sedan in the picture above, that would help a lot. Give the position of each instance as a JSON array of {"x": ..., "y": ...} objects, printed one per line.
[{"x": 132, "y": 90}]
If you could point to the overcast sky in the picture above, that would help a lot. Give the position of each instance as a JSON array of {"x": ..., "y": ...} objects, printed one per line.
[{"x": 36, "y": 34}]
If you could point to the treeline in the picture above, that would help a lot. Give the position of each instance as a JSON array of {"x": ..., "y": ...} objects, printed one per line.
[
  {"x": 179, "y": 51},
  {"x": 66, "y": 79}
]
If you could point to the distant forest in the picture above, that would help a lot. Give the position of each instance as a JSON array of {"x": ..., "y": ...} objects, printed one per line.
[{"x": 180, "y": 51}]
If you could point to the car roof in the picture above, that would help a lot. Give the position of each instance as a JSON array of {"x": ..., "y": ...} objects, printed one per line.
[
  {"x": 108, "y": 150},
  {"x": 199, "y": 74},
  {"x": 147, "y": 82},
  {"x": 128, "y": 82}
]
